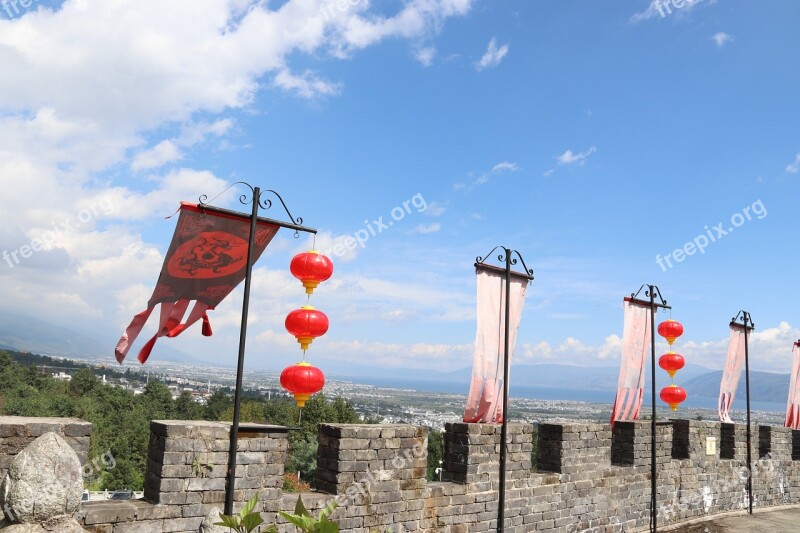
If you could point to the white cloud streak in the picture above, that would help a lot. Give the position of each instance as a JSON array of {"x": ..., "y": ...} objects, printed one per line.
[
  {"x": 493, "y": 55},
  {"x": 425, "y": 56},
  {"x": 721, "y": 39},
  {"x": 571, "y": 158},
  {"x": 794, "y": 168}
]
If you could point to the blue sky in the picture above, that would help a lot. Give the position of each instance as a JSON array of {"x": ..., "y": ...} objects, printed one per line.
[{"x": 590, "y": 136}]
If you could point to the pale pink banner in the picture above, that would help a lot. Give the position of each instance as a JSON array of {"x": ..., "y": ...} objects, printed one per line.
[
  {"x": 793, "y": 406},
  {"x": 732, "y": 373},
  {"x": 485, "y": 400},
  {"x": 635, "y": 343}
]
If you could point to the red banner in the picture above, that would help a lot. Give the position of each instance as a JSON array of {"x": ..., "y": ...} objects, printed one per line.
[{"x": 205, "y": 262}]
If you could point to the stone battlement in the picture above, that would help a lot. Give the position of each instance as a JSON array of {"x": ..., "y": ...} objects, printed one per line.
[{"x": 586, "y": 477}]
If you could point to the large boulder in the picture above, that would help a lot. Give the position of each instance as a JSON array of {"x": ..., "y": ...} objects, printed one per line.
[
  {"x": 44, "y": 481},
  {"x": 208, "y": 523}
]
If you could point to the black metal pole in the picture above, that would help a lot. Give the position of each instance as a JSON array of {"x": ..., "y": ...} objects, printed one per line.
[
  {"x": 502, "y": 489},
  {"x": 653, "y": 499},
  {"x": 234, "y": 435},
  {"x": 746, "y": 319},
  {"x": 528, "y": 274}
]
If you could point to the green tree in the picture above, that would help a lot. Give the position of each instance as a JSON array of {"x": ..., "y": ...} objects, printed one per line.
[
  {"x": 249, "y": 411},
  {"x": 157, "y": 400},
  {"x": 435, "y": 453},
  {"x": 217, "y": 404},
  {"x": 83, "y": 382},
  {"x": 303, "y": 457},
  {"x": 186, "y": 408}
]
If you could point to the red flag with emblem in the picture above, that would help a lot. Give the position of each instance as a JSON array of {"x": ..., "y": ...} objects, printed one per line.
[{"x": 205, "y": 262}]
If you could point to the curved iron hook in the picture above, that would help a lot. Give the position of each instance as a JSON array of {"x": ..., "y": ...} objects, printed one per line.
[
  {"x": 480, "y": 259},
  {"x": 747, "y": 320},
  {"x": 298, "y": 221},
  {"x": 501, "y": 257},
  {"x": 263, "y": 202},
  {"x": 528, "y": 271},
  {"x": 656, "y": 293}
]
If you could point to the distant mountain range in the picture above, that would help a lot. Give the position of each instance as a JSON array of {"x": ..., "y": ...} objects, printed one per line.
[
  {"x": 764, "y": 386},
  {"x": 28, "y": 334},
  {"x": 545, "y": 381},
  {"x": 554, "y": 381}
]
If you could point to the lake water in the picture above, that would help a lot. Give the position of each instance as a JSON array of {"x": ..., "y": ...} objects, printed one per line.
[{"x": 548, "y": 393}]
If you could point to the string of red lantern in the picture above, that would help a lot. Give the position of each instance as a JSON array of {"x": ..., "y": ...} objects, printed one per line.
[
  {"x": 673, "y": 395},
  {"x": 306, "y": 324}
]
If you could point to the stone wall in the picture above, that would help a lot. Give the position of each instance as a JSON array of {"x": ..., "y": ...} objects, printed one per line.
[
  {"x": 16, "y": 432},
  {"x": 588, "y": 477},
  {"x": 187, "y": 466}
]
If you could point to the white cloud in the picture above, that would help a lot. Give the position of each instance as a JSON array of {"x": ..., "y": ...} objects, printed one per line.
[
  {"x": 486, "y": 177},
  {"x": 91, "y": 108},
  {"x": 773, "y": 346},
  {"x": 573, "y": 350},
  {"x": 665, "y": 8},
  {"x": 493, "y": 55},
  {"x": 163, "y": 152},
  {"x": 435, "y": 209},
  {"x": 425, "y": 56},
  {"x": 424, "y": 229},
  {"x": 571, "y": 158},
  {"x": 793, "y": 168},
  {"x": 505, "y": 166},
  {"x": 721, "y": 39},
  {"x": 417, "y": 18},
  {"x": 169, "y": 150},
  {"x": 307, "y": 85},
  {"x": 416, "y": 355},
  {"x": 194, "y": 133}
]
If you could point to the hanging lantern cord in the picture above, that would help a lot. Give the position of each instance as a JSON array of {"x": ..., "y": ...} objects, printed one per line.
[{"x": 299, "y": 415}]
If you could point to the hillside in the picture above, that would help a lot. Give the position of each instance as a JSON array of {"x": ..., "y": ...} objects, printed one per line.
[{"x": 764, "y": 386}]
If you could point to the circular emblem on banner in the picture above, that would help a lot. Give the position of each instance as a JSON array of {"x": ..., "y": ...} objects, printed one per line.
[{"x": 211, "y": 254}]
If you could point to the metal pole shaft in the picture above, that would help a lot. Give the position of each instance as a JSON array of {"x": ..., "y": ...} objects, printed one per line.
[
  {"x": 234, "y": 436},
  {"x": 653, "y": 499},
  {"x": 502, "y": 489},
  {"x": 747, "y": 388}
]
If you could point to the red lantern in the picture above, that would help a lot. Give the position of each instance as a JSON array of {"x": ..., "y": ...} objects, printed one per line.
[
  {"x": 311, "y": 268},
  {"x": 673, "y": 395},
  {"x": 306, "y": 324},
  {"x": 670, "y": 330},
  {"x": 302, "y": 380},
  {"x": 671, "y": 362}
]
